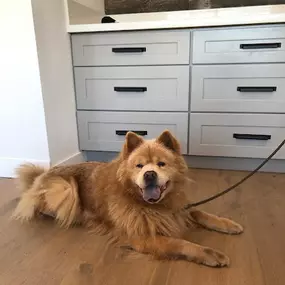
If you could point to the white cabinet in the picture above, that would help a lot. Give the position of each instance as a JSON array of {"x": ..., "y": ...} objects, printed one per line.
[
  {"x": 236, "y": 135},
  {"x": 221, "y": 91},
  {"x": 105, "y": 131},
  {"x": 254, "y": 88},
  {"x": 131, "y": 48},
  {"x": 132, "y": 88},
  {"x": 239, "y": 45}
]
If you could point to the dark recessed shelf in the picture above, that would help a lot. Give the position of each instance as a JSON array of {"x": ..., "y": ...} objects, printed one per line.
[{"x": 138, "y": 6}]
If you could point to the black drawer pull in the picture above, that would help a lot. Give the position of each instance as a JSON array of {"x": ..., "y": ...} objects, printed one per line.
[
  {"x": 130, "y": 89},
  {"x": 260, "y": 46},
  {"x": 256, "y": 89},
  {"x": 124, "y": 132},
  {"x": 252, "y": 137},
  {"x": 129, "y": 49}
]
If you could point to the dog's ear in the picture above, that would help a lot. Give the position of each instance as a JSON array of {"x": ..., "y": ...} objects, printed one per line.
[
  {"x": 169, "y": 141},
  {"x": 132, "y": 141}
]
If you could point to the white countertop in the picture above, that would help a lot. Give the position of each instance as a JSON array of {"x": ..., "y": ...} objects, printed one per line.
[{"x": 189, "y": 19}]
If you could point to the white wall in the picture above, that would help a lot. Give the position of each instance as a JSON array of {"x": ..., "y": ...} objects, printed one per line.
[
  {"x": 23, "y": 134},
  {"x": 37, "y": 102},
  {"x": 55, "y": 61}
]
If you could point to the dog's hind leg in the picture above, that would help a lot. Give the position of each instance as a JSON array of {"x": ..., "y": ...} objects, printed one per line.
[
  {"x": 61, "y": 200},
  {"x": 53, "y": 196},
  {"x": 216, "y": 223}
]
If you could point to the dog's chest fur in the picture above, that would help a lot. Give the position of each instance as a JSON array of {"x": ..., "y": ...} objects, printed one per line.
[{"x": 146, "y": 221}]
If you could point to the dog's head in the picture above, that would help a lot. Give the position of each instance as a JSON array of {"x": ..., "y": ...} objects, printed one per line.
[{"x": 153, "y": 167}]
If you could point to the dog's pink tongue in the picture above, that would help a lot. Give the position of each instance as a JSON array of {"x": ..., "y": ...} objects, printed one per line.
[{"x": 152, "y": 192}]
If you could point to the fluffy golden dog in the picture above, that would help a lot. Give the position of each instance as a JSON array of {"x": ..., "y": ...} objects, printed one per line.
[{"x": 137, "y": 198}]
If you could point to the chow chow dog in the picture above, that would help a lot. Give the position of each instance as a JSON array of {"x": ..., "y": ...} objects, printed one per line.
[{"x": 138, "y": 199}]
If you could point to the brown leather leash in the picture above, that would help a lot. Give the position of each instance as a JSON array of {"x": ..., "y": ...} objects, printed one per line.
[{"x": 207, "y": 200}]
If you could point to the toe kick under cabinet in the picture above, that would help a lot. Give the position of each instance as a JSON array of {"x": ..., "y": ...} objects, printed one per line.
[{"x": 221, "y": 91}]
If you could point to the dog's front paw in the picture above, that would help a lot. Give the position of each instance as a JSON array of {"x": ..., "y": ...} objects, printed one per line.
[
  {"x": 214, "y": 258},
  {"x": 232, "y": 227}
]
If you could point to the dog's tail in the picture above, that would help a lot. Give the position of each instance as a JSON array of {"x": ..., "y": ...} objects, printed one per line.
[
  {"x": 54, "y": 196},
  {"x": 26, "y": 175}
]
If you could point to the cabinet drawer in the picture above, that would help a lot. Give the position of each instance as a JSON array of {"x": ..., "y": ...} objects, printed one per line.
[
  {"x": 236, "y": 135},
  {"x": 239, "y": 45},
  {"x": 131, "y": 48},
  {"x": 238, "y": 88},
  {"x": 105, "y": 131},
  {"x": 146, "y": 88}
]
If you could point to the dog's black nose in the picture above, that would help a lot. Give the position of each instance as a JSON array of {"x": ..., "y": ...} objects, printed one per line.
[{"x": 150, "y": 176}]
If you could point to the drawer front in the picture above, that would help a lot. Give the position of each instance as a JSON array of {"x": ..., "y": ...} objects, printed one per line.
[
  {"x": 131, "y": 48},
  {"x": 146, "y": 88},
  {"x": 238, "y": 88},
  {"x": 236, "y": 135},
  {"x": 105, "y": 131},
  {"x": 239, "y": 45}
]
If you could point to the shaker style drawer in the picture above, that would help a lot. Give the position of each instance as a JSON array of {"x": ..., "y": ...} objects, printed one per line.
[
  {"x": 131, "y": 48},
  {"x": 238, "y": 88},
  {"x": 236, "y": 135},
  {"x": 239, "y": 45},
  {"x": 105, "y": 131},
  {"x": 149, "y": 88}
]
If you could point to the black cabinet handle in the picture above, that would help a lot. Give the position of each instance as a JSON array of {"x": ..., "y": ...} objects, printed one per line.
[
  {"x": 256, "y": 88},
  {"x": 260, "y": 46},
  {"x": 252, "y": 137},
  {"x": 124, "y": 132},
  {"x": 130, "y": 89},
  {"x": 129, "y": 49}
]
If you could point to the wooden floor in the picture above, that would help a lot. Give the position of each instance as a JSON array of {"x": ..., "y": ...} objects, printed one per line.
[{"x": 41, "y": 253}]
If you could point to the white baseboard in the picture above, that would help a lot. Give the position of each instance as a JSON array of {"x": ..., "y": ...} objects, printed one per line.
[
  {"x": 8, "y": 165},
  {"x": 73, "y": 159}
]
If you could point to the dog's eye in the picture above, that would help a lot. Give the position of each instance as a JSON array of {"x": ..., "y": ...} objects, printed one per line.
[
  {"x": 139, "y": 165},
  {"x": 161, "y": 163}
]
